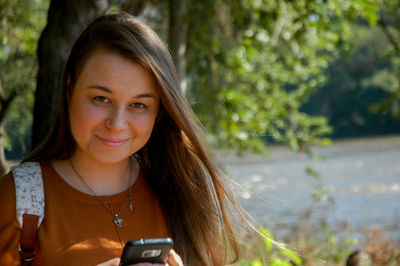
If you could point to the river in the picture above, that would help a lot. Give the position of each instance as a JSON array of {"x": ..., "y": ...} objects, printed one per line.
[{"x": 361, "y": 178}]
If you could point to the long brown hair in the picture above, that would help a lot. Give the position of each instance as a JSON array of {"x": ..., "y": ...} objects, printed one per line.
[{"x": 190, "y": 188}]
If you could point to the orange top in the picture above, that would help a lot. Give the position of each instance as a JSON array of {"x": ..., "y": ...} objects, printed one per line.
[{"x": 77, "y": 229}]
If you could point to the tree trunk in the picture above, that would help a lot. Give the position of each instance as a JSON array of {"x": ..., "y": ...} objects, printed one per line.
[
  {"x": 5, "y": 107},
  {"x": 66, "y": 19},
  {"x": 4, "y": 166},
  {"x": 177, "y": 36}
]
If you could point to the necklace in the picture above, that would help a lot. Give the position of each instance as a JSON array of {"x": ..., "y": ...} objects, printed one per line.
[{"x": 116, "y": 219}]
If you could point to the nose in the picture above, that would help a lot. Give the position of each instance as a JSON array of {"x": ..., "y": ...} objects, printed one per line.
[{"x": 116, "y": 119}]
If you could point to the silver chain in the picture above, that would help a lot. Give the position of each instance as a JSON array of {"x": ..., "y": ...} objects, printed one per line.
[{"x": 117, "y": 220}]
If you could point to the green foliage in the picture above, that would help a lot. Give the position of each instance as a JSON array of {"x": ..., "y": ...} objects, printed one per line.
[
  {"x": 320, "y": 192},
  {"x": 20, "y": 26},
  {"x": 274, "y": 253},
  {"x": 252, "y": 64},
  {"x": 361, "y": 95},
  {"x": 318, "y": 243},
  {"x": 327, "y": 246},
  {"x": 365, "y": 81},
  {"x": 388, "y": 78}
]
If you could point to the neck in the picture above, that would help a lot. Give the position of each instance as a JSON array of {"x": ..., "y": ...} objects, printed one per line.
[{"x": 102, "y": 178}]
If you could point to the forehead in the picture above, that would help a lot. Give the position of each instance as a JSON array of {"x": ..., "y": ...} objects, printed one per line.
[{"x": 116, "y": 72}]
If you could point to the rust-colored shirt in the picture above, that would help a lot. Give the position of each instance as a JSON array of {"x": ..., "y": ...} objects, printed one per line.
[{"x": 77, "y": 229}]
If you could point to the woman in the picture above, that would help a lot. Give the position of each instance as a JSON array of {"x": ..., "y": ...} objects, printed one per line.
[{"x": 124, "y": 160}]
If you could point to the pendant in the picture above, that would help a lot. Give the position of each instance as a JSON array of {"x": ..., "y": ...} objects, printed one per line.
[{"x": 118, "y": 221}]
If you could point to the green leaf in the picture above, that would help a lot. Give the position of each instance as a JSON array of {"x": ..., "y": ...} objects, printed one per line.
[
  {"x": 268, "y": 239},
  {"x": 256, "y": 263},
  {"x": 292, "y": 256},
  {"x": 279, "y": 262}
]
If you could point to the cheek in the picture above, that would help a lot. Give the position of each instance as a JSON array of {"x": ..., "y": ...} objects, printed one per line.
[
  {"x": 77, "y": 125},
  {"x": 144, "y": 125},
  {"x": 83, "y": 120}
]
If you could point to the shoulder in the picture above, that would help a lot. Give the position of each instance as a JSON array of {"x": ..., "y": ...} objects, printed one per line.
[
  {"x": 29, "y": 190},
  {"x": 23, "y": 178},
  {"x": 27, "y": 176},
  {"x": 7, "y": 192},
  {"x": 9, "y": 226}
]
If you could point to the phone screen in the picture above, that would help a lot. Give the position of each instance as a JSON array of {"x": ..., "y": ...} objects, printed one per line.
[{"x": 153, "y": 250}]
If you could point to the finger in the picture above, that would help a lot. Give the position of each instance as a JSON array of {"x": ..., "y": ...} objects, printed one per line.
[
  {"x": 174, "y": 259},
  {"x": 112, "y": 262}
]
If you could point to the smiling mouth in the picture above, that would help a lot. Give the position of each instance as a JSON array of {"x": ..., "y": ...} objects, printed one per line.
[{"x": 112, "y": 142}]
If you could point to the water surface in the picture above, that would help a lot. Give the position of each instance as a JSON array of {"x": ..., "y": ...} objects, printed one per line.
[{"x": 361, "y": 175}]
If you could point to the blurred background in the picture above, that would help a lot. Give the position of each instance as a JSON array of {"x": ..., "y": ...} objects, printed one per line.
[{"x": 300, "y": 99}]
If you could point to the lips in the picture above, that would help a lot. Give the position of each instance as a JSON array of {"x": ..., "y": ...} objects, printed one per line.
[{"x": 115, "y": 143}]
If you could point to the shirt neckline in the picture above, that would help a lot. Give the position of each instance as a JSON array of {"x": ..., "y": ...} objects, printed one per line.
[{"x": 54, "y": 178}]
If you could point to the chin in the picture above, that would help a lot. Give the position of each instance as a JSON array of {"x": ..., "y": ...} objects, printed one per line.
[{"x": 110, "y": 158}]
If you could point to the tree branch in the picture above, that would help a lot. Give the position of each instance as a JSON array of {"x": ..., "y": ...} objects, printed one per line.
[{"x": 383, "y": 24}]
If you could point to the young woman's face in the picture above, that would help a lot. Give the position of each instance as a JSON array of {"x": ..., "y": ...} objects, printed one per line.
[{"x": 113, "y": 108}]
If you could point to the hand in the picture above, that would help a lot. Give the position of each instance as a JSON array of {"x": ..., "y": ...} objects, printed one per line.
[{"x": 173, "y": 260}]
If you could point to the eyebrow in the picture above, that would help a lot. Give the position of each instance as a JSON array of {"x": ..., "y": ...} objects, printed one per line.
[{"x": 105, "y": 89}]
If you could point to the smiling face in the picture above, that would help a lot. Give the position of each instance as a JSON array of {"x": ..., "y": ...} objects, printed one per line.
[{"x": 113, "y": 108}]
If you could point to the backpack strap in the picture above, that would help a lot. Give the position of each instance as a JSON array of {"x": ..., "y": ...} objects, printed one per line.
[
  {"x": 29, "y": 195},
  {"x": 27, "y": 243}
]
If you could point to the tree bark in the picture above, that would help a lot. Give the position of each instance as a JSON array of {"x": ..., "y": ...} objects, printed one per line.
[
  {"x": 177, "y": 37},
  {"x": 4, "y": 166},
  {"x": 66, "y": 19}
]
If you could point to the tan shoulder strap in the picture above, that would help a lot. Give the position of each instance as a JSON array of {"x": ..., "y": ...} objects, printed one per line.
[
  {"x": 28, "y": 190},
  {"x": 29, "y": 206}
]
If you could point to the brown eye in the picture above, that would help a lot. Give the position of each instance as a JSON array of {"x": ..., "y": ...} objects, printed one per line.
[
  {"x": 101, "y": 99},
  {"x": 138, "y": 106}
]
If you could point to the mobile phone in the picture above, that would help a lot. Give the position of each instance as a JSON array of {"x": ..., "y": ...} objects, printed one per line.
[{"x": 153, "y": 250}]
